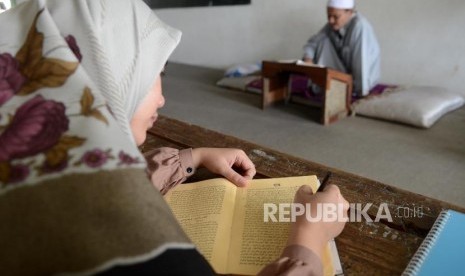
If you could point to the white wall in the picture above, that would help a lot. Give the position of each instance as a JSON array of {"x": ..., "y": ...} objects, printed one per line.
[
  {"x": 6, "y": 3},
  {"x": 422, "y": 41}
]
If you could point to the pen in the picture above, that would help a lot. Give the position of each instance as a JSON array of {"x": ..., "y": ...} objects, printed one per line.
[{"x": 324, "y": 182}]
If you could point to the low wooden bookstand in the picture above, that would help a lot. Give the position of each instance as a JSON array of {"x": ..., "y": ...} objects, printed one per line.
[{"x": 337, "y": 87}]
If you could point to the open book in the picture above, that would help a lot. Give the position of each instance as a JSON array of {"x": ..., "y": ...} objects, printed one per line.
[
  {"x": 227, "y": 225},
  {"x": 300, "y": 62}
]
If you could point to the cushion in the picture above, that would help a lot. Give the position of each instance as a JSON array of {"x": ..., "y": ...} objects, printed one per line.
[
  {"x": 254, "y": 84},
  {"x": 419, "y": 106},
  {"x": 241, "y": 83},
  {"x": 243, "y": 70}
]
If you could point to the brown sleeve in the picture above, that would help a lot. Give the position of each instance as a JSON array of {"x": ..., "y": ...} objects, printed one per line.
[
  {"x": 295, "y": 260},
  {"x": 168, "y": 167}
]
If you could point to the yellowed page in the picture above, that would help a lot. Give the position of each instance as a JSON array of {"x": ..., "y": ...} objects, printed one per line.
[
  {"x": 205, "y": 210},
  {"x": 255, "y": 243}
]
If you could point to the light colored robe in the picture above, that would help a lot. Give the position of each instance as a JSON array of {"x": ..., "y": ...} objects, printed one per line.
[{"x": 353, "y": 49}]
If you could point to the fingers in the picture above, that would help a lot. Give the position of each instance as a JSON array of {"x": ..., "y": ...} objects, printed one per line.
[
  {"x": 305, "y": 189},
  {"x": 303, "y": 194},
  {"x": 330, "y": 194},
  {"x": 250, "y": 172},
  {"x": 245, "y": 164},
  {"x": 235, "y": 178},
  {"x": 223, "y": 160},
  {"x": 333, "y": 189}
]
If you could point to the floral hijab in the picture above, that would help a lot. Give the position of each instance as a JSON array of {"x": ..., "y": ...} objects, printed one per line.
[
  {"x": 74, "y": 195},
  {"x": 72, "y": 74}
]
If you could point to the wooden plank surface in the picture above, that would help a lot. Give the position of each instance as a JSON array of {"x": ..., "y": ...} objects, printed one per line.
[{"x": 365, "y": 248}]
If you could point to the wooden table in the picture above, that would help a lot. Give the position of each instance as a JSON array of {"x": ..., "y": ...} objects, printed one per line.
[
  {"x": 337, "y": 87},
  {"x": 365, "y": 248}
]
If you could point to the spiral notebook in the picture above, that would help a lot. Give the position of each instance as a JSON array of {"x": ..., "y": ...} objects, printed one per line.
[{"x": 443, "y": 250}]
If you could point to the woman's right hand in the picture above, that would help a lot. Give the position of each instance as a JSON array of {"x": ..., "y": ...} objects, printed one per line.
[{"x": 315, "y": 235}]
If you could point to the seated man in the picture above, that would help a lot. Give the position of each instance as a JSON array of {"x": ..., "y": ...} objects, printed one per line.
[{"x": 347, "y": 43}]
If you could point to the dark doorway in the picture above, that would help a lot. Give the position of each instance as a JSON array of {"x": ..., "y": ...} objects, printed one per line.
[{"x": 159, "y": 4}]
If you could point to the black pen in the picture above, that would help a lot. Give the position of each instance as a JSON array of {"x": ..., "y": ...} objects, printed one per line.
[{"x": 324, "y": 182}]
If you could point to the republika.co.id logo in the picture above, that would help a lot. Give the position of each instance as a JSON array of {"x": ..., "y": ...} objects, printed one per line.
[{"x": 329, "y": 212}]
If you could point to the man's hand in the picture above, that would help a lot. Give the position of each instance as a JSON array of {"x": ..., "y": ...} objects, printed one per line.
[{"x": 308, "y": 60}]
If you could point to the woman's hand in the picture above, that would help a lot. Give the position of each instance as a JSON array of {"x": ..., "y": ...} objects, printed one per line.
[
  {"x": 315, "y": 235},
  {"x": 223, "y": 161}
]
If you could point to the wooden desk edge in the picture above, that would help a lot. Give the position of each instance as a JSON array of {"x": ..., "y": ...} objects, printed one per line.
[
  {"x": 164, "y": 121},
  {"x": 359, "y": 250}
]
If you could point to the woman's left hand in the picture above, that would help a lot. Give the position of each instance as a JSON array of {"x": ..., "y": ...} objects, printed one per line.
[{"x": 223, "y": 161}]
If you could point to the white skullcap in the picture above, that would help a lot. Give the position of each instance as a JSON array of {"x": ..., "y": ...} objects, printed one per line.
[{"x": 341, "y": 4}]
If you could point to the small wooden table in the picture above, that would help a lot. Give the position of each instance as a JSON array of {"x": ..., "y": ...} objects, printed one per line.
[
  {"x": 337, "y": 87},
  {"x": 365, "y": 248}
]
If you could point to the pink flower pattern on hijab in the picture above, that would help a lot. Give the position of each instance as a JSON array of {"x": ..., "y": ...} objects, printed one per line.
[
  {"x": 11, "y": 79},
  {"x": 37, "y": 126},
  {"x": 74, "y": 46},
  {"x": 126, "y": 159},
  {"x": 96, "y": 158}
]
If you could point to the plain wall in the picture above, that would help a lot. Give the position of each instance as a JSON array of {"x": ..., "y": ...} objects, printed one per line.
[{"x": 422, "y": 41}]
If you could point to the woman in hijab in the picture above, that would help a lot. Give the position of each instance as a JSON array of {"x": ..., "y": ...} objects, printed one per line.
[{"x": 79, "y": 86}]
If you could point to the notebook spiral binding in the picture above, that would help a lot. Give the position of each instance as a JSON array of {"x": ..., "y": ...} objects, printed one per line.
[{"x": 419, "y": 257}]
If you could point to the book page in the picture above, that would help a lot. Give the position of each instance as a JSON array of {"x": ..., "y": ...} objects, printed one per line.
[
  {"x": 303, "y": 63},
  {"x": 256, "y": 243},
  {"x": 204, "y": 211},
  {"x": 291, "y": 61}
]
